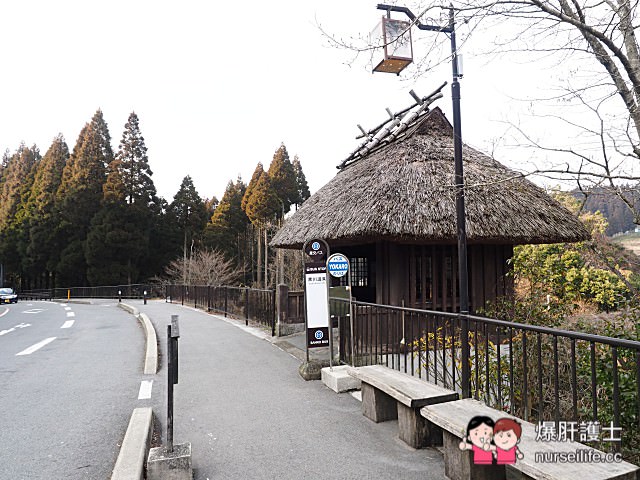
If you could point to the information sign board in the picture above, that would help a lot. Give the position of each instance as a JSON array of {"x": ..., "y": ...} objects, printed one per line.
[{"x": 316, "y": 294}]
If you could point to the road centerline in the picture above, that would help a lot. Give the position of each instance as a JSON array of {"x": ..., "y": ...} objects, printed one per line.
[
  {"x": 71, "y": 314},
  {"x": 68, "y": 324},
  {"x": 37, "y": 346}
]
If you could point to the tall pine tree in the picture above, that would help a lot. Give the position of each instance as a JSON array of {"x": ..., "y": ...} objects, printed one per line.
[
  {"x": 129, "y": 174},
  {"x": 283, "y": 179},
  {"x": 301, "y": 183},
  {"x": 17, "y": 180},
  {"x": 118, "y": 242},
  {"x": 44, "y": 218},
  {"x": 79, "y": 197},
  {"x": 226, "y": 230},
  {"x": 257, "y": 173},
  {"x": 190, "y": 213}
]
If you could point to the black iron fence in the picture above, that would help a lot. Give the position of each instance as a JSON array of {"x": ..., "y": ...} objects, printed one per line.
[
  {"x": 111, "y": 291},
  {"x": 532, "y": 372},
  {"x": 258, "y": 305}
]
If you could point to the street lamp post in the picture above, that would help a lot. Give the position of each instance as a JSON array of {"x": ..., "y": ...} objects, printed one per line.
[{"x": 459, "y": 183}]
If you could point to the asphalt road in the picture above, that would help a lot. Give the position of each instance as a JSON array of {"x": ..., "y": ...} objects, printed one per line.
[
  {"x": 70, "y": 376},
  {"x": 249, "y": 415}
]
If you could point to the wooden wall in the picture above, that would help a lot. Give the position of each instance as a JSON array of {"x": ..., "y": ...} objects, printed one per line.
[{"x": 426, "y": 276}]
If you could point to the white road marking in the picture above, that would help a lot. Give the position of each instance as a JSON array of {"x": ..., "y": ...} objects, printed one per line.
[
  {"x": 145, "y": 389},
  {"x": 37, "y": 346},
  {"x": 34, "y": 310},
  {"x": 13, "y": 329},
  {"x": 68, "y": 324},
  {"x": 6, "y": 310},
  {"x": 71, "y": 314},
  {"x": 67, "y": 308},
  {"x": 63, "y": 304}
]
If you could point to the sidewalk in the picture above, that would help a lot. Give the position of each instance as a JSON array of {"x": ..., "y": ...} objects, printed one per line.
[{"x": 249, "y": 415}]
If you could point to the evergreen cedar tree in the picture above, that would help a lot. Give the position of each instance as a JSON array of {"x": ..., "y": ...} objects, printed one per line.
[
  {"x": 189, "y": 212},
  {"x": 283, "y": 178},
  {"x": 229, "y": 221},
  {"x": 92, "y": 217},
  {"x": 257, "y": 173}
]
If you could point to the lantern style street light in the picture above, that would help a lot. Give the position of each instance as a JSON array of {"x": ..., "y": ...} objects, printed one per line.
[
  {"x": 395, "y": 38},
  {"x": 386, "y": 65}
]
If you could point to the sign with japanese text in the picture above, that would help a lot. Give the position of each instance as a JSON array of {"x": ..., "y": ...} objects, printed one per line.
[{"x": 316, "y": 293}]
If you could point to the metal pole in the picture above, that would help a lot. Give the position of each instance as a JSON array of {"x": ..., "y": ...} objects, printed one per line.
[
  {"x": 460, "y": 212},
  {"x": 351, "y": 320},
  {"x": 169, "y": 390}
]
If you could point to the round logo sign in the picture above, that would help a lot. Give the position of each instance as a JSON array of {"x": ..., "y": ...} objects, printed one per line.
[
  {"x": 318, "y": 335},
  {"x": 338, "y": 265},
  {"x": 315, "y": 245}
]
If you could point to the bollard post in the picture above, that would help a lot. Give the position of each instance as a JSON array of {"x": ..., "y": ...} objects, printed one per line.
[
  {"x": 119, "y": 296},
  {"x": 170, "y": 461},
  {"x": 173, "y": 333},
  {"x": 246, "y": 306},
  {"x": 144, "y": 296}
]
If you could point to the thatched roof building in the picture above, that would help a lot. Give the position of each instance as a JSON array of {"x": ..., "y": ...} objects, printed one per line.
[
  {"x": 395, "y": 204},
  {"x": 405, "y": 193}
]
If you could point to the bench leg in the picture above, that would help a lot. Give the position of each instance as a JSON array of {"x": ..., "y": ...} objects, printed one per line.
[
  {"x": 377, "y": 405},
  {"x": 458, "y": 464},
  {"x": 415, "y": 430}
]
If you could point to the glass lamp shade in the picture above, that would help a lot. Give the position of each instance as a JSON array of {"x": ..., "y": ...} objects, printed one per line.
[{"x": 394, "y": 36}]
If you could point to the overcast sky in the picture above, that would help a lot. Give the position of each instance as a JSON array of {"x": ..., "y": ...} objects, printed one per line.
[{"x": 219, "y": 85}]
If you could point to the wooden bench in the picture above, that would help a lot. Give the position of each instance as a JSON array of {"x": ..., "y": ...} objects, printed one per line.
[
  {"x": 388, "y": 394},
  {"x": 453, "y": 418}
]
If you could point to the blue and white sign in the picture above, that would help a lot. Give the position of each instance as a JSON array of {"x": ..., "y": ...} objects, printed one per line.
[{"x": 338, "y": 265}]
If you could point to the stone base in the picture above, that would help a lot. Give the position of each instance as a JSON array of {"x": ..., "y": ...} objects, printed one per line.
[
  {"x": 339, "y": 380},
  {"x": 176, "y": 465},
  {"x": 311, "y": 370},
  {"x": 285, "y": 329},
  {"x": 458, "y": 464}
]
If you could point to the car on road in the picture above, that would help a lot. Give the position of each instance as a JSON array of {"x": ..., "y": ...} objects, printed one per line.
[{"x": 7, "y": 295}]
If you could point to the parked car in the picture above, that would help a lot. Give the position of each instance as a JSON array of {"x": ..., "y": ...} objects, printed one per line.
[{"x": 7, "y": 295}]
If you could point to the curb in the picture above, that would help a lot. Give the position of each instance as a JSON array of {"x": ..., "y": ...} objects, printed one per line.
[
  {"x": 133, "y": 453},
  {"x": 151, "y": 355},
  {"x": 151, "y": 350}
]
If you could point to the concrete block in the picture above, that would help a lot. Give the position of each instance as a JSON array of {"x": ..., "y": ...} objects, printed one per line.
[
  {"x": 339, "y": 380},
  {"x": 176, "y": 465}
]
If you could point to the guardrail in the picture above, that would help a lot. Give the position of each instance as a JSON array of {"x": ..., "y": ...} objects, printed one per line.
[{"x": 532, "y": 372}]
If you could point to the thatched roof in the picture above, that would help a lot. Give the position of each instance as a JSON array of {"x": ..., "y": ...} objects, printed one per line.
[{"x": 405, "y": 192}]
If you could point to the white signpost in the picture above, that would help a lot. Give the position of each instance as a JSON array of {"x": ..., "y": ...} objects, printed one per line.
[{"x": 316, "y": 293}]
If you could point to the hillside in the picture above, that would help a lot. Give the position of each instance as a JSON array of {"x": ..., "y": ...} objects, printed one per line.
[{"x": 631, "y": 241}]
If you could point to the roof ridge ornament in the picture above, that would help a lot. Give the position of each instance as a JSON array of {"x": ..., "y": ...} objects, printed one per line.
[{"x": 393, "y": 128}]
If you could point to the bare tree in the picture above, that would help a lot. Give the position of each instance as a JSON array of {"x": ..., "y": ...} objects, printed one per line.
[
  {"x": 598, "y": 100},
  {"x": 205, "y": 267}
]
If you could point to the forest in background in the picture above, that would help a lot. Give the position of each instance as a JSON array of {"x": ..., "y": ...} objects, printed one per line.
[{"x": 92, "y": 216}]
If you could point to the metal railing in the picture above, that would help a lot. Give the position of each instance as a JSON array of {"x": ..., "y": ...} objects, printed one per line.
[
  {"x": 110, "y": 291},
  {"x": 535, "y": 373},
  {"x": 258, "y": 305}
]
